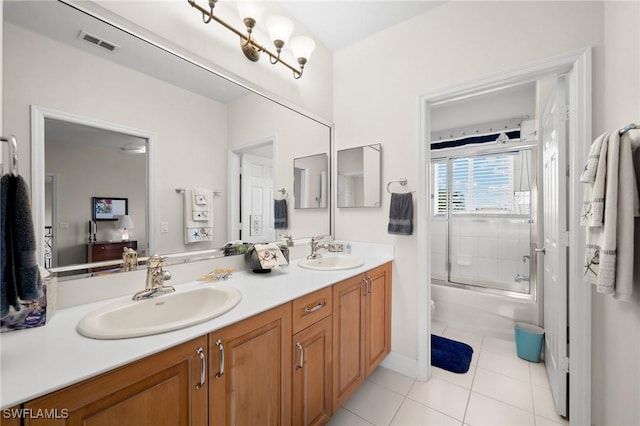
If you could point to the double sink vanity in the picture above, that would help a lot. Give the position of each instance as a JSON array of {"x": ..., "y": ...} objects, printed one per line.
[{"x": 288, "y": 347}]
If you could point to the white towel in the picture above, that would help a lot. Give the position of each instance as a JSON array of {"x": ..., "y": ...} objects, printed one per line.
[
  {"x": 198, "y": 215},
  {"x": 593, "y": 175},
  {"x": 610, "y": 247}
]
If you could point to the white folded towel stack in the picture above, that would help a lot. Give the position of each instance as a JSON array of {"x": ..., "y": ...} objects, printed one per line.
[{"x": 198, "y": 215}]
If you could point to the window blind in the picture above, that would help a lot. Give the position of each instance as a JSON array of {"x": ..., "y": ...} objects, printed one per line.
[{"x": 482, "y": 184}]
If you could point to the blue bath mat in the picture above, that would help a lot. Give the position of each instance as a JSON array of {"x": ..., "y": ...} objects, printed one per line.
[{"x": 450, "y": 355}]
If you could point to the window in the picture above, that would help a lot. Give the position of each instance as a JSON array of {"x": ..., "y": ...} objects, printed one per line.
[{"x": 480, "y": 184}]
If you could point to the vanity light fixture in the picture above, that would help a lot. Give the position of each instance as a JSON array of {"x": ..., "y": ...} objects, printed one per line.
[{"x": 280, "y": 28}]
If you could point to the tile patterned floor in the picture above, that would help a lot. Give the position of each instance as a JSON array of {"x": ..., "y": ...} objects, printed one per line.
[{"x": 498, "y": 389}]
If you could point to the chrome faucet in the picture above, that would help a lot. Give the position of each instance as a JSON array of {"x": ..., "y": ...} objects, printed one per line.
[
  {"x": 155, "y": 280},
  {"x": 315, "y": 247}
]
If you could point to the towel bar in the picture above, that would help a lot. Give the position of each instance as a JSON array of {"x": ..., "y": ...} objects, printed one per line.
[
  {"x": 215, "y": 193},
  {"x": 402, "y": 181}
]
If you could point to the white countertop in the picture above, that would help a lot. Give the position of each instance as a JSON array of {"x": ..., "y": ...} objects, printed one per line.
[{"x": 37, "y": 361}]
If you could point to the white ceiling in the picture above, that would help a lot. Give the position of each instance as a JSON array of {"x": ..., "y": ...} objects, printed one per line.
[{"x": 338, "y": 23}]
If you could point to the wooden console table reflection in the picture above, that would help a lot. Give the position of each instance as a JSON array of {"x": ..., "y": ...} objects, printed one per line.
[{"x": 101, "y": 251}]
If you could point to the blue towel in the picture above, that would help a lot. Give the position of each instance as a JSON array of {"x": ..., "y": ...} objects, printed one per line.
[
  {"x": 280, "y": 213},
  {"x": 401, "y": 214},
  {"x": 20, "y": 275}
]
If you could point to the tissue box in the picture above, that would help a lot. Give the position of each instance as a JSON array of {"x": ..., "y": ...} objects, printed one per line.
[{"x": 33, "y": 313}]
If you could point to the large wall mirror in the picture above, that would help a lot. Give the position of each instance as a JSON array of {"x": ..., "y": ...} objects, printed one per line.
[
  {"x": 359, "y": 176},
  {"x": 103, "y": 113}
]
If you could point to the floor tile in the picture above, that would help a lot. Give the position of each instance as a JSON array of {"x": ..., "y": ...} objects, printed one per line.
[
  {"x": 543, "y": 421},
  {"x": 464, "y": 380},
  {"x": 503, "y": 388},
  {"x": 374, "y": 403},
  {"x": 539, "y": 375},
  {"x": 470, "y": 338},
  {"x": 483, "y": 410},
  {"x": 391, "y": 380},
  {"x": 498, "y": 345},
  {"x": 544, "y": 405},
  {"x": 511, "y": 366},
  {"x": 344, "y": 417},
  {"x": 437, "y": 328},
  {"x": 441, "y": 396},
  {"x": 412, "y": 413}
]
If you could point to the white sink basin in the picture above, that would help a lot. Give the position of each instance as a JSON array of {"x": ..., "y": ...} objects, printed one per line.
[
  {"x": 331, "y": 263},
  {"x": 173, "y": 311}
]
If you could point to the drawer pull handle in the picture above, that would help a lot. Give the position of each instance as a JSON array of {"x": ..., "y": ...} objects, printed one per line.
[
  {"x": 315, "y": 308},
  {"x": 220, "y": 372},
  {"x": 203, "y": 368},
  {"x": 300, "y": 348}
]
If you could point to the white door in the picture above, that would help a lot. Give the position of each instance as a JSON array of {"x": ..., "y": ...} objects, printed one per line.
[
  {"x": 554, "y": 134},
  {"x": 257, "y": 199}
]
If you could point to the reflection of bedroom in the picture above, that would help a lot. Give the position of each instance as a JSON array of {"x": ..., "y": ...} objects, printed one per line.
[{"x": 110, "y": 173}]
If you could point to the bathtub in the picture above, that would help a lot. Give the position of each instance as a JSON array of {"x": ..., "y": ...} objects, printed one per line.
[{"x": 489, "y": 314}]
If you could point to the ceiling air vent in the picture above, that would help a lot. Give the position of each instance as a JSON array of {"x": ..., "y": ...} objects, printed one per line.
[{"x": 97, "y": 41}]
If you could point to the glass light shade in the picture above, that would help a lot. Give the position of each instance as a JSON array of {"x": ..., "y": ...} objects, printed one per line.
[
  {"x": 125, "y": 222},
  {"x": 302, "y": 47},
  {"x": 250, "y": 9},
  {"x": 280, "y": 28}
]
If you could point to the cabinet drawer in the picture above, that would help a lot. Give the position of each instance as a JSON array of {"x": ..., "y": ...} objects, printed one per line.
[{"x": 311, "y": 308}]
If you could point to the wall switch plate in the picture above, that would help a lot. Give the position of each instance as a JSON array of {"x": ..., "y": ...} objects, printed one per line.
[{"x": 164, "y": 227}]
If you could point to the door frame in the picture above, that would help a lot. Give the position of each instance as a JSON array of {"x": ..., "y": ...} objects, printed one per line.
[
  {"x": 38, "y": 116},
  {"x": 233, "y": 179},
  {"x": 578, "y": 65}
]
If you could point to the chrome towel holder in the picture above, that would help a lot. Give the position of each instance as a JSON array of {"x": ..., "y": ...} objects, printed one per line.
[{"x": 402, "y": 181}]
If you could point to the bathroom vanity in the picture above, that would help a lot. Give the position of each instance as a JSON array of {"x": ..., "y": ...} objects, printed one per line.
[{"x": 296, "y": 347}]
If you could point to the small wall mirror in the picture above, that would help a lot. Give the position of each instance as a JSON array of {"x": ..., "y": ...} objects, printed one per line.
[
  {"x": 359, "y": 176},
  {"x": 310, "y": 182}
]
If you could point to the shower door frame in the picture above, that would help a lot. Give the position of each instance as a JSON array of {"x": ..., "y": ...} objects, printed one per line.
[
  {"x": 477, "y": 151},
  {"x": 577, "y": 65}
]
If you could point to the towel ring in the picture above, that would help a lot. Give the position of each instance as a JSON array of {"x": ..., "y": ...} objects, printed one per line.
[
  {"x": 401, "y": 181},
  {"x": 285, "y": 194}
]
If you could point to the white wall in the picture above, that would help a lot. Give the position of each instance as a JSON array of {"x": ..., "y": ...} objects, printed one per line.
[
  {"x": 616, "y": 325},
  {"x": 50, "y": 74},
  {"x": 377, "y": 83},
  {"x": 253, "y": 119},
  {"x": 182, "y": 29}
]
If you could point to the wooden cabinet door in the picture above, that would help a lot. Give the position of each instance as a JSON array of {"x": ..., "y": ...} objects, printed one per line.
[
  {"x": 250, "y": 371},
  {"x": 378, "y": 316},
  {"x": 312, "y": 374},
  {"x": 348, "y": 338},
  {"x": 162, "y": 389}
]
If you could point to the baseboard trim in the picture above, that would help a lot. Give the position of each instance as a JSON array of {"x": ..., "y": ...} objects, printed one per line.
[{"x": 401, "y": 364}]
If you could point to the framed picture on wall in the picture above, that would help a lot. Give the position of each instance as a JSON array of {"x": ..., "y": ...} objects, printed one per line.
[{"x": 109, "y": 208}]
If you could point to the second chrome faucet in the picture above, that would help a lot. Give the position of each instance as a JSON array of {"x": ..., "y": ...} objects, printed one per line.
[{"x": 156, "y": 277}]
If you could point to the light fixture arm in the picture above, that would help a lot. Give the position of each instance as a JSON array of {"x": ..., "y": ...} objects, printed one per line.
[{"x": 250, "y": 47}]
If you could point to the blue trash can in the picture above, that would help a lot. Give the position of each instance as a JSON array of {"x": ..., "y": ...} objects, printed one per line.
[{"x": 529, "y": 341}]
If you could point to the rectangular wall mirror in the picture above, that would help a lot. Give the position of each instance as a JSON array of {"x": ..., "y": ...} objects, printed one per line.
[
  {"x": 359, "y": 176},
  {"x": 310, "y": 181},
  {"x": 140, "y": 123}
]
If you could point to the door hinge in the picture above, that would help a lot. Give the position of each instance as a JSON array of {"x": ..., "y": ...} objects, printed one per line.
[
  {"x": 240, "y": 226},
  {"x": 564, "y": 365},
  {"x": 563, "y": 239},
  {"x": 565, "y": 113}
]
